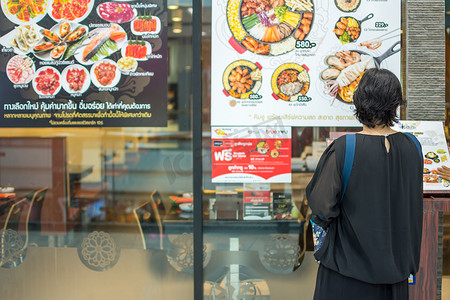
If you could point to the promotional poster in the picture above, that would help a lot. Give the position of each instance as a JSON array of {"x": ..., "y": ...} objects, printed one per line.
[
  {"x": 251, "y": 154},
  {"x": 297, "y": 60},
  {"x": 83, "y": 63}
]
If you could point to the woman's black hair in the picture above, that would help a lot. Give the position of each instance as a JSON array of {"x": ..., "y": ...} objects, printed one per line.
[{"x": 377, "y": 97}]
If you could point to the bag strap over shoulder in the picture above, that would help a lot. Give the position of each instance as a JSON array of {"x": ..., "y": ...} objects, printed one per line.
[
  {"x": 350, "y": 144},
  {"x": 416, "y": 142}
]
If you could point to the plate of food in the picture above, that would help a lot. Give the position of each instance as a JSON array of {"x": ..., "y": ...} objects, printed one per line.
[
  {"x": 139, "y": 50},
  {"x": 187, "y": 207},
  {"x": 57, "y": 40},
  {"x": 47, "y": 81},
  {"x": 268, "y": 27},
  {"x": 99, "y": 44},
  {"x": 105, "y": 74},
  {"x": 432, "y": 156},
  {"x": 127, "y": 65},
  {"x": 145, "y": 24},
  {"x": 75, "y": 79},
  {"x": 345, "y": 68},
  {"x": 20, "y": 69},
  {"x": 116, "y": 12},
  {"x": 431, "y": 178},
  {"x": 24, "y": 12},
  {"x": 348, "y": 29},
  {"x": 347, "y": 5},
  {"x": 22, "y": 38},
  {"x": 242, "y": 78},
  {"x": 74, "y": 11},
  {"x": 290, "y": 81},
  {"x": 262, "y": 147}
]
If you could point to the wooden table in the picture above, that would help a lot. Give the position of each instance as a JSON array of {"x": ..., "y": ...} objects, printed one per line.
[{"x": 429, "y": 278}]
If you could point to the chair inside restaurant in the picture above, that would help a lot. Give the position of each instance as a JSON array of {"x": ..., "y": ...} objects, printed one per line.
[{"x": 14, "y": 241}]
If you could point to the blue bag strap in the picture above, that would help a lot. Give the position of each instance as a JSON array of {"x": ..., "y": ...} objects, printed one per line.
[
  {"x": 414, "y": 139},
  {"x": 350, "y": 143}
]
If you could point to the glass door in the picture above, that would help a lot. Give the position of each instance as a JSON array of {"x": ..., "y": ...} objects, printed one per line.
[{"x": 103, "y": 213}]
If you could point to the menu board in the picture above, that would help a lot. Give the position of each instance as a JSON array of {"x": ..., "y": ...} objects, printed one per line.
[
  {"x": 83, "y": 63},
  {"x": 299, "y": 61},
  {"x": 251, "y": 154},
  {"x": 434, "y": 150}
]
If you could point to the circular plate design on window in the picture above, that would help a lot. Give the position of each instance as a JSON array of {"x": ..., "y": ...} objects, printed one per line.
[
  {"x": 12, "y": 251},
  {"x": 181, "y": 253},
  {"x": 98, "y": 251},
  {"x": 280, "y": 254}
]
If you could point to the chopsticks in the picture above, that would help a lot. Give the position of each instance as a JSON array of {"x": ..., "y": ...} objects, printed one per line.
[{"x": 376, "y": 42}]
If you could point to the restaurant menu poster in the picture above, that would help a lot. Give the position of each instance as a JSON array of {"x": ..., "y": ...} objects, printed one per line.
[
  {"x": 297, "y": 60},
  {"x": 83, "y": 63},
  {"x": 434, "y": 147},
  {"x": 251, "y": 154}
]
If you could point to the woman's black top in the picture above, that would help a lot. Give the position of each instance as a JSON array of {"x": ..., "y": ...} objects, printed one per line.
[{"x": 374, "y": 235}]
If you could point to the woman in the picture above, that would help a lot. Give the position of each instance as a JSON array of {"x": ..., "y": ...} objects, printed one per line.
[{"x": 374, "y": 234}]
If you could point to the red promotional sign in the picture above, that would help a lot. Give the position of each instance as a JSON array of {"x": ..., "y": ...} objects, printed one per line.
[{"x": 251, "y": 154}]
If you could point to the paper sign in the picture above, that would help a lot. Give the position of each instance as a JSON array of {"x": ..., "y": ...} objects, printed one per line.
[
  {"x": 434, "y": 147},
  {"x": 251, "y": 154}
]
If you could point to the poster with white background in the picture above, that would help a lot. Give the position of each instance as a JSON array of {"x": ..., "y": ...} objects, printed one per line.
[
  {"x": 298, "y": 61},
  {"x": 434, "y": 150}
]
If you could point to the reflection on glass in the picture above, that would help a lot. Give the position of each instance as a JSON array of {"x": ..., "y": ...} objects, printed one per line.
[
  {"x": 281, "y": 254},
  {"x": 236, "y": 282}
]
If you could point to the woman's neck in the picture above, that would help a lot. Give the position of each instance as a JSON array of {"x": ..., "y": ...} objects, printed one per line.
[{"x": 377, "y": 130}]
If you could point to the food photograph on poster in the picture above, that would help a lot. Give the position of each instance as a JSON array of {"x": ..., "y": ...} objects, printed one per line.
[
  {"x": 310, "y": 56},
  {"x": 83, "y": 63}
]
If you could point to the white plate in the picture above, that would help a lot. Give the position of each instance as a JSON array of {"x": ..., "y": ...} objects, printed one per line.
[
  {"x": 15, "y": 20},
  {"x": 114, "y": 82},
  {"x": 46, "y": 55},
  {"x": 6, "y": 190},
  {"x": 187, "y": 207},
  {"x": 149, "y": 50},
  {"x": 133, "y": 9},
  {"x": 126, "y": 72},
  {"x": 37, "y": 74},
  {"x": 65, "y": 84},
  {"x": 79, "y": 54},
  {"x": 5, "y": 40},
  {"x": 158, "y": 27},
  {"x": 33, "y": 67},
  {"x": 50, "y": 9}
]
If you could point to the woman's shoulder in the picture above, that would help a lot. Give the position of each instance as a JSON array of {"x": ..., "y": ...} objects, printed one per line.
[
  {"x": 337, "y": 147},
  {"x": 340, "y": 142}
]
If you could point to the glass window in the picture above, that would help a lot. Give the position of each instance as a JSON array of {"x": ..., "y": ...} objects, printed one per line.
[{"x": 88, "y": 212}]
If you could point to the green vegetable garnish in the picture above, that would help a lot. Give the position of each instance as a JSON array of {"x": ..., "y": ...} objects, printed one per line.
[
  {"x": 72, "y": 50},
  {"x": 105, "y": 50},
  {"x": 345, "y": 38}
]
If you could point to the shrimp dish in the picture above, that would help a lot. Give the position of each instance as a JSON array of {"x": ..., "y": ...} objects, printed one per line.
[{"x": 344, "y": 72}]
